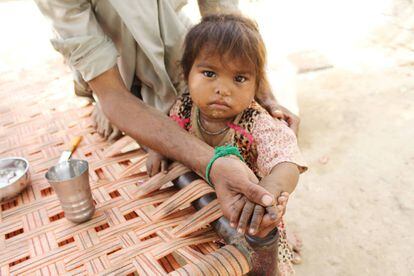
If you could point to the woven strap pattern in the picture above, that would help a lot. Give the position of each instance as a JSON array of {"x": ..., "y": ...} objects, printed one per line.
[{"x": 141, "y": 226}]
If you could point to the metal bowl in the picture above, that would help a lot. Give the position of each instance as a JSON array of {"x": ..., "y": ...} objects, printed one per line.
[{"x": 14, "y": 176}]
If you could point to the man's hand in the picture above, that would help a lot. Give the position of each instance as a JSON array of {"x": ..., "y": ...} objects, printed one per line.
[
  {"x": 257, "y": 219},
  {"x": 233, "y": 179},
  {"x": 268, "y": 101},
  {"x": 282, "y": 113},
  {"x": 103, "y": 126}
]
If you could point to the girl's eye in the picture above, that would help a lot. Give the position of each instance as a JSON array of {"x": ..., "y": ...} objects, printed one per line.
[
  {"x": 209, "y": 74},
  {"x": 240, "y": 79}
]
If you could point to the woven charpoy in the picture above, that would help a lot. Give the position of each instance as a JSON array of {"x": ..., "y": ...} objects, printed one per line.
[{"x": 141, "y": 226}]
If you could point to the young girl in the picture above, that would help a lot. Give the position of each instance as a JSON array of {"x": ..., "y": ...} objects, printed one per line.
[{"x": 223, "y": 64}]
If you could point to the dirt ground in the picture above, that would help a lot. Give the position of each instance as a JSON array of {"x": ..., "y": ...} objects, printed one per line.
[{"x": 354, "y": 208}]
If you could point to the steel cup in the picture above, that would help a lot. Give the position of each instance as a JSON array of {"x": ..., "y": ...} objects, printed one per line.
[{"x": 70, "y": 180}]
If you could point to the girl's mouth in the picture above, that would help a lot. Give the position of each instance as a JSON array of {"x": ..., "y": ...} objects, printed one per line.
[{"x": 219, "y": 105}]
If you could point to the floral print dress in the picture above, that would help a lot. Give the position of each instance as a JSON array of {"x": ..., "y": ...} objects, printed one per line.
[{"x": 263, "y": 143}]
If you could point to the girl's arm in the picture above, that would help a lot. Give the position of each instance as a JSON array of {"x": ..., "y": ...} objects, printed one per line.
[{"x": 283, "y": 178}]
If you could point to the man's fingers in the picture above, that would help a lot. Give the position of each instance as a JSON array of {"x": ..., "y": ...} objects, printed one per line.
[
  {"x": 258, "y": 194},
  {"x": 236, "y": 210},
  {"x": 256, "y": 219},
  {"x": 107, "y": 129},
  {"x": 277, "y": 113},
  {"x": 149, "y": 168},
  {"x": 164, "y": 166},
  {"x": 100, "y": 125},
  {"x": 94, "y": 117},
  {"x": 155, "y": 167},
  {"x": 245, "y": 216},
  {"x": 116, "y": 133}
]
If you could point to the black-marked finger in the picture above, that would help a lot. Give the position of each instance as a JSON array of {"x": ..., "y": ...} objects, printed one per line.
[
  {"x": 272, "y": 211},
  {"x": 149, "y": 167},
  {"x": 164, "y": 166},
  {"x": 256, "y": 219},
  {"x": 115, "y": 134},
  {"x": 236, "y": 211},
  {"x": 107, "y": 129},
  {"x": 155, "y": 167},
  {"x": 245, "y": 216},
  {"x": 268, "y": 222}
]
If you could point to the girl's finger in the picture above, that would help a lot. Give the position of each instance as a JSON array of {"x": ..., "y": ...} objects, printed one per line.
[
  {"x": 256, "y": 219},
  {"x": 281, "y": 210},
  {"x": 282, "y": 201},
  {"x": 268, "y": 222},
  {"x": 283, "y": 197},
  {"x": 236, "y": 210},
  {"x": 245, "y": 216},
  {"x": 272, "y": 211},
  {"x": 265, "y": 231}
]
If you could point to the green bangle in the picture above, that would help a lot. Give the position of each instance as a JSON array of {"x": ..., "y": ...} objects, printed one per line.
[{"x": 220, "y": 152}]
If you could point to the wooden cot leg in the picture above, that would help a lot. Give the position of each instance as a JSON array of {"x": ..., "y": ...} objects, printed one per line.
[{"x": 260, "y": 253}]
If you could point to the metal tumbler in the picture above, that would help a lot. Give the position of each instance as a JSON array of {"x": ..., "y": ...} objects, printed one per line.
[{"x": 70, "y": 180}]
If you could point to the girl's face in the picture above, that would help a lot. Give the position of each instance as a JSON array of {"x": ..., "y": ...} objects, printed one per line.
[{"x": 221, "y": 87}]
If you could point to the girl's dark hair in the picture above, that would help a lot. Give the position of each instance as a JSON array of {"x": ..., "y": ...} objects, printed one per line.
[{"x": 226, "y": 34}]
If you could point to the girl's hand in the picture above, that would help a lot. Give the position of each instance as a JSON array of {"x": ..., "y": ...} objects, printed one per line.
[
  {"x": 156, "y": 163},
  {"x": 257, "y": 219}
]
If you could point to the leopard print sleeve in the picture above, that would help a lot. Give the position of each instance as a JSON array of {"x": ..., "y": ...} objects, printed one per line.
[{"x": 181, "y": 111}]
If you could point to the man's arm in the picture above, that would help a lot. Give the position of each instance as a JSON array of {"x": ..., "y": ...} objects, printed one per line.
[
  {"x": 147, "y": 125},
  {"x": 152, "y": 128},
  {"x": 79, "y": 37}
]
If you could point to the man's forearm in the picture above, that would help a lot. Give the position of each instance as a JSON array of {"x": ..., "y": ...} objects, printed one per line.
[{"x": 147, "y": 125}]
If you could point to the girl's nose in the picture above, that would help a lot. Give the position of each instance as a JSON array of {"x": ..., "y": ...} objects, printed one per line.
[{"x": 223, "y": 90}]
